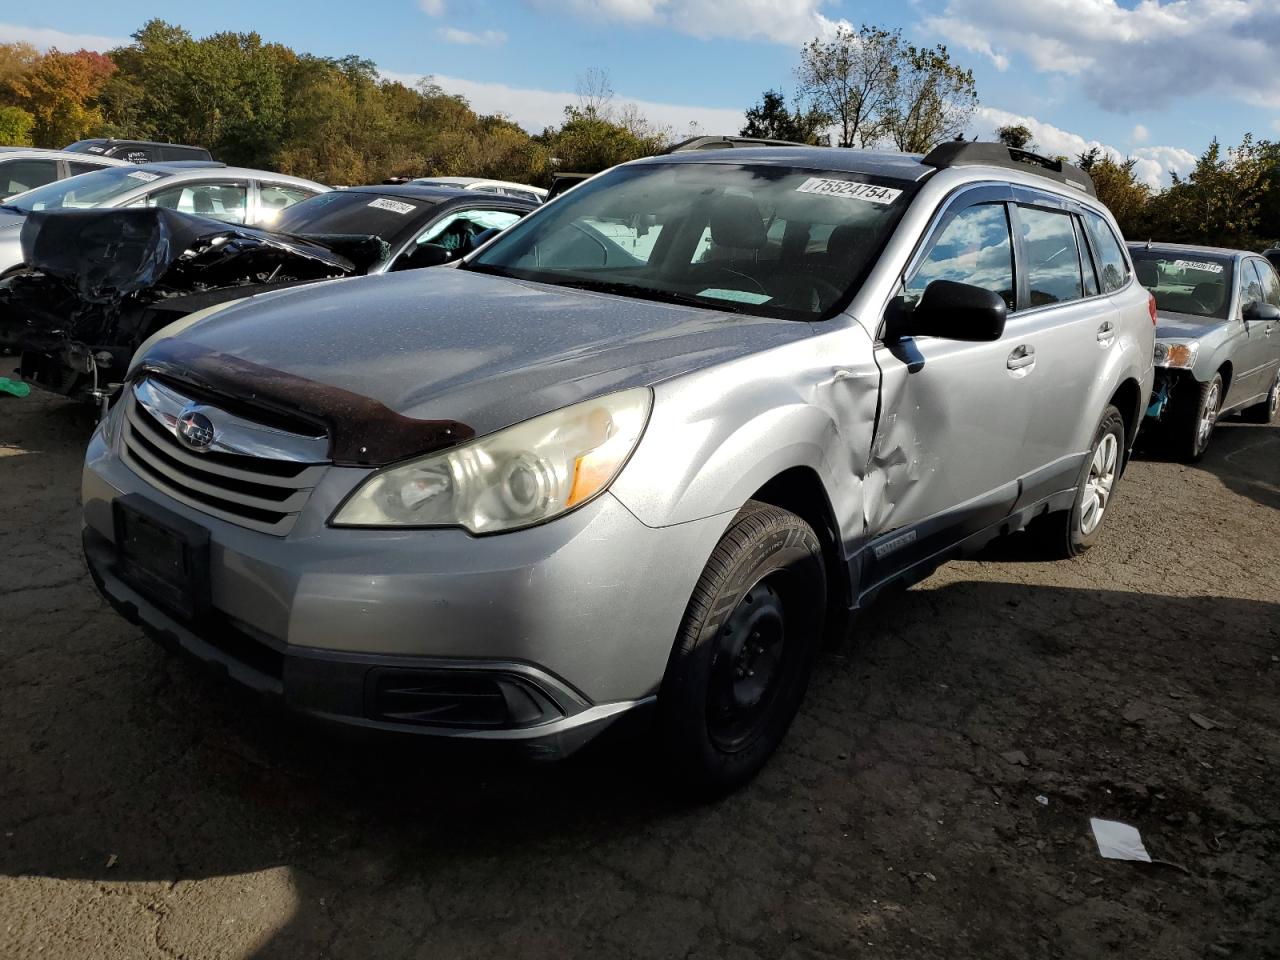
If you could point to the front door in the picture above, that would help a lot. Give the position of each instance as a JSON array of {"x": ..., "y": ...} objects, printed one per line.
[{"x": 953, "y": 435}]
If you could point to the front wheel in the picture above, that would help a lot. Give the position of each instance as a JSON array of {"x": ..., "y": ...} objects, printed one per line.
[
  {"x": 1069, "y": 533},
  {"x": 1193, "y": 417},
  {"x": 742, "y": 659}
]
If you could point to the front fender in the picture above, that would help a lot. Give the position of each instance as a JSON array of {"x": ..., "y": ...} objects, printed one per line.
[{"x": 717, "y": 436}]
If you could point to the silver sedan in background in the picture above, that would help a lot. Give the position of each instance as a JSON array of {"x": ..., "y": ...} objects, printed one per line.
[{"x": 1217, "y": 340}]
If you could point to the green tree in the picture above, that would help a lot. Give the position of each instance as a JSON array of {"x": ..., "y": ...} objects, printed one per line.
[
  {"x": 16, "y": 126},
  {"x": 851, "y": 78},
  {"x": 931, "y": 99},
  {"x": 1016, "y": 135},
  {"x": 1117, "y": 187},
  {"x": 1220, "y": 202},
  {"x": 771, "y": 119}
]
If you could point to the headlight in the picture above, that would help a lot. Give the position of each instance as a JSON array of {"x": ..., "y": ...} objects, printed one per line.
[
  {"x": 1176, "y": 353},
  {"x": 514, "y": 478}
]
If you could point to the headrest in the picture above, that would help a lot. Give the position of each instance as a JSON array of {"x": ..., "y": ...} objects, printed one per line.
[
  {"x": 1210, "y": 294},
  {"x": 1148, "y": 273},
  {"x": 736, "y": 222},
  {"x": 845, "y": 241}
]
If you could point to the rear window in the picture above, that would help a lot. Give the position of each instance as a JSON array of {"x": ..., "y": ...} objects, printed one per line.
[
  {"x": 1191, "y": 283},
  {"x": 341, "y": 211}
]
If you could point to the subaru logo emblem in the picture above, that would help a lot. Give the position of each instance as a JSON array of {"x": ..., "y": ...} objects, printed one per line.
[{"x": 195, "y": 430}]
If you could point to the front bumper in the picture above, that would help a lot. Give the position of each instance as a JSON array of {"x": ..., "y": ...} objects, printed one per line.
[{"x": 550, "y": 633}]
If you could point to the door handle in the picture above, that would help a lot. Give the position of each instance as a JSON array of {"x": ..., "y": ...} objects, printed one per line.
[
  {"x": 1021, "y": 358},
  {"x": 1106, "y": 332}
]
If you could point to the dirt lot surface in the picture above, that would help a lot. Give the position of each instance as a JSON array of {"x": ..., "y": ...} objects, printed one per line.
[{"x": 147, "y": 810}]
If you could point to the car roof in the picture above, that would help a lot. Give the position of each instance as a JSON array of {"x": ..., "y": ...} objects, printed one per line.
[
  {"x": 140, "y": 143},
  {"x": 1190, "y": 248},
  {"x": 422, "y": 191},
  {"x": 474, "y": 181},
  {"x": 882, "y": 163},
  {"x": 43, "y": 154},
  {"x": 201, "y": 169}
]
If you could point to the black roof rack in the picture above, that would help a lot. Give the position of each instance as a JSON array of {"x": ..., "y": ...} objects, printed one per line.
[
  {"x": 960, "y": 153},
  {"x": 721, "y": 143}
]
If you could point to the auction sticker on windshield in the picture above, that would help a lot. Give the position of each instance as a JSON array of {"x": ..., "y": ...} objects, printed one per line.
[
  {"x": 144, "y": 176},
  {"x": 849, "y": 190},
  {"x": 1198, "y": 265},
  {"x": 395, "y": 206}
]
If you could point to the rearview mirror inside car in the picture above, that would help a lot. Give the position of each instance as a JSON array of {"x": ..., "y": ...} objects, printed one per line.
[
  {"x": 1262, "y": 311},
  {"x": 953, "y": 311}
]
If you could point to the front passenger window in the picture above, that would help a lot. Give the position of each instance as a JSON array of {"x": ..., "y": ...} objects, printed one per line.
[{"x": 973, "y": 248}]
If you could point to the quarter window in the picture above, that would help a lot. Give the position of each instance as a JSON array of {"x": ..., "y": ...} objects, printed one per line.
[
  {"x": 973, "y": 248},
  {"x": 275, "y": 197},
  {"x": 1053, "y": 261},
  {"x": 1111, "y": 258},
  {"x": 1086, "y": 261},
  {"x": 78, "y": 167}
]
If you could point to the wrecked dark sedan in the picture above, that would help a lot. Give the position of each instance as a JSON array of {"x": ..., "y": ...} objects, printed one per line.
[{"x": 99, "y": 283}]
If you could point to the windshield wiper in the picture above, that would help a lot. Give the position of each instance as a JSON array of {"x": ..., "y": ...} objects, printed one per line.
[
  {"x": 11, "y": 206},
  {"x": 645, "y": 293}
]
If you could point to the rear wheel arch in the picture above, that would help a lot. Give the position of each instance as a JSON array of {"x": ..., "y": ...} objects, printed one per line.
[{"x": 1129, "y": 401}]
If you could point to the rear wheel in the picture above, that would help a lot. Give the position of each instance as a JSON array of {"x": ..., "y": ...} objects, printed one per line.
[
  {"x": 1265, "y": 412},
  {"x": 742, "y": 659},
  {"x": 1069, "y": 533}
]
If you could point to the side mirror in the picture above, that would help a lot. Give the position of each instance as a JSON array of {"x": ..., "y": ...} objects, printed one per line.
[
  {"x": 423, "y": 255},
  {"x": 954, "y": 311},
  {"x": 1262, "y": 311}
]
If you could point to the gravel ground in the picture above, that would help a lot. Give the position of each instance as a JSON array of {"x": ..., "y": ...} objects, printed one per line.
[{"x": 147, "y": 810}]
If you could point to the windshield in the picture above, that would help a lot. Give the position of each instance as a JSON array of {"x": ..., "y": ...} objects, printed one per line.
[
  {"x": 763, "y": 240},
  {"x": 87, "y": 190},
  {"x": 1193, "y": 283},
  {"x": 342, "y": 211}
]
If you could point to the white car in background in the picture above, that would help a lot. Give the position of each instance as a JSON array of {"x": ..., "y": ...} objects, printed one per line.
[
  {"x": 204, "y": 188},
  {"x": 25, "y": 168},
  {"x": 505, "y": 188}
]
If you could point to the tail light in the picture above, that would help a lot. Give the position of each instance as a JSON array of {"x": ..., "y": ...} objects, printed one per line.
[{"x": 1151, "y": 307}]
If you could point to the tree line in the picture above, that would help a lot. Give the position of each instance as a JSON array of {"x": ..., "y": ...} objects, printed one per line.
[
  {"x": 339, "y": 121},
  {"x": 264, "y": 105}
]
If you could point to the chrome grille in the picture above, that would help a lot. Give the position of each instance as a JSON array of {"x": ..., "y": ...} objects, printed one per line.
[{"x": 250, "y": 474}]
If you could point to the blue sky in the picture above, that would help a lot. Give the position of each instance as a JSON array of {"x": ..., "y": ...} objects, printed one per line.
[{"x": 1154, "y": 79}]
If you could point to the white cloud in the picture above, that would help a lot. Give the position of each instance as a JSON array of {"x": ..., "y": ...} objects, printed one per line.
[
  {"x": 780, "y": 21},
  {"x": 535, "y": 109},
  {"x": 1152, "y": 166},
  {"x": 1140, "y": 134},
  {"x": 43, "y": 38},
  {"x": 432, "y": 8},
  {"x": 1129, "y": 58},
  {"x": 485, "y": 38}
]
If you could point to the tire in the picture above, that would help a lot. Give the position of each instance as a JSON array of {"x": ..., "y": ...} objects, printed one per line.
[
  {"x": 1191, "y": 423},
  {"x": 1069, "y": 533},
  {"x": 742, "y": 659},
  {"x": 1265, "y": 412}
]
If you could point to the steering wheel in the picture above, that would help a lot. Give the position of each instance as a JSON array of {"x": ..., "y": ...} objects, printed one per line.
[{"x": 825, "y": 292}]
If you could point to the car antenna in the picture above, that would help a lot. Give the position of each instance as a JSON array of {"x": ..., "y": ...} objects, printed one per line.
[{"x": 1148, "y": 243}]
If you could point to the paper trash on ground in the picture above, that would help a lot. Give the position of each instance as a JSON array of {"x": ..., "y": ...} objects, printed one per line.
[{"x": 1118, "y": 841}]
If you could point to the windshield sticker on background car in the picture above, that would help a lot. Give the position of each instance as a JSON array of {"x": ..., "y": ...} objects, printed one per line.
[
  {"x": 97, "y": 150},
  {"x": 849, "y": 190},
  {"x": 144, "y": 176},
  {"x": 1198, "y": 265},
  {"x": 395, "y": 206}
]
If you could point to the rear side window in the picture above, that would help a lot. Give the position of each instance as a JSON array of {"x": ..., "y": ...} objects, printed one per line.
[
  {"x": 274, "y": 198},
  {"x": 1053, "y": 260},
  {"x": 1111, "y": 258},
  {"x": 18, "y": 176},
  {"x": 77, "y": 167},
  {"x": 218, "y": 201},
  {"x": 973, "y": 248},
  {"x": 1086, "y": 260}
]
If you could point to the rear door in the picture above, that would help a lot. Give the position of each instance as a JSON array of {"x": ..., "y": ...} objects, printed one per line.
[
  {"x": 952, "y": 434},
  {"x": 20, "y": 174},
  {"x": 1065, "y": 326},
  {"x": 1258, "y": 355}
]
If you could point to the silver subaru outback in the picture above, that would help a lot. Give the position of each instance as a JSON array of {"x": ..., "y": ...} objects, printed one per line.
[{"x": 639, "y": 454}]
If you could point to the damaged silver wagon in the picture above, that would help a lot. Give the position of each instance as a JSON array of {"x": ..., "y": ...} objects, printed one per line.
[{"x": 641, "y": 451}]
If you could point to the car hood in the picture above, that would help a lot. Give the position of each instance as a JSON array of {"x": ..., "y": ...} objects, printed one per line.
[
  {"x": 10, "y": 219},
  {"x": 1184, "y": 325},
  {"x": 482, "y": 351}
]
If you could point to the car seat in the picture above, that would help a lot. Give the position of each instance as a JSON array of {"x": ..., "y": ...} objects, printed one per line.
[{"x": 1148, "y": 273}]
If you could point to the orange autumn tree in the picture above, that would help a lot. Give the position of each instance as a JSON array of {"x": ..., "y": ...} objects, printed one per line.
[{"x": 60, "y": 92}]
